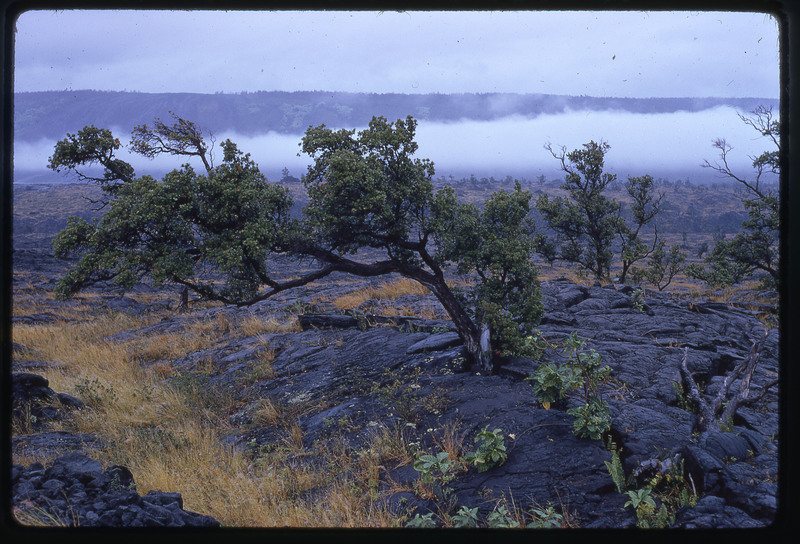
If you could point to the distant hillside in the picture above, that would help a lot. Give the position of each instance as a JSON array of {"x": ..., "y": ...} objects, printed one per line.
[{"x": 51, "y": 114}]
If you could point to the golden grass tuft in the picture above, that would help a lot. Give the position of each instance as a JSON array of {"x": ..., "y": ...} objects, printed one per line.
[
  {"x": 387, "y": 291},
  {"x": 254, "y": 325}
]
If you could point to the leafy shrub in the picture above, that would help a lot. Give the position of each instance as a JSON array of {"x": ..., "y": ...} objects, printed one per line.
[
  {"x": 437, "y": 472},
  {"x": 501, "y": 518},
  {"x": 583, "y": 372},
  {"x": 491, "y": 452},
  {"x": 465, "y": 518},
  {"x": 422, "y": 522},
  {"x": 591, "y": 419},
  {"x": 546, "y": 518}
]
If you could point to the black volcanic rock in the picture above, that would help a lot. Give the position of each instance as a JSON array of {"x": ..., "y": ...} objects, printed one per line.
[
  {"x": 351, "y": 373},
  {"x": 77, "y": 491}
]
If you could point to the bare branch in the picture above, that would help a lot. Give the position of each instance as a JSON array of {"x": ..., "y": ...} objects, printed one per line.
[{"x": 709, "y": 419}]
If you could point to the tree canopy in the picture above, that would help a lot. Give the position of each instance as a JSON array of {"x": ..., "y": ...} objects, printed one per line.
[
  {"x": 755, "y": 248},
  {"x": 587, "y": 223},
  {"x": 366, "y": 190}
]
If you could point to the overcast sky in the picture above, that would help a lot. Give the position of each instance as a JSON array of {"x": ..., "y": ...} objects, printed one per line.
[{"x": 626, "y": 54}]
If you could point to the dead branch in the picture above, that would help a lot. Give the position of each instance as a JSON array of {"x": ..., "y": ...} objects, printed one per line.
[{"x": 718, "y": 412}]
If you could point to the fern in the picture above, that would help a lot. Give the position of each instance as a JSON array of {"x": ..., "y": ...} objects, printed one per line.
[{"x": 616, "y": 471}]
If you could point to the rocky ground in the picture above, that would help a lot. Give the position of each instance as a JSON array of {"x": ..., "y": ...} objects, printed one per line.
[{"x": 347, "y": 372}]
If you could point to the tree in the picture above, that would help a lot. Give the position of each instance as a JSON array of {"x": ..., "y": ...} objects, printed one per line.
[
  {"x": 664, "y": 266},
  {"x": 587, "y": 222},
  {"x": 644, "y": 208},
  {"x": 755, "y": 248},
  {"x": 365, "y": 191}
]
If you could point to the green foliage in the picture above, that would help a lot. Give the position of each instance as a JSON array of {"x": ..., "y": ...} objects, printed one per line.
[
  {"x": 491, "y": 451},
  {"x": 684, "y": 402},
  {"x": 755, "y": 249},
  {"x": 497, "y": 244},
  {"x": 616, "y": 470},
  {"x": 591, "y": 419},
  {"x": 95, "y": 393},
  {"x": 638, "y": 303},
  {"x": 365, "y": 189},
  {"x": 545, "y": 518},
  {"x": 644, "y": 208},
  {"x": 465, "y": 518},
  {"x": 587, "y": 222},
  {"x": 550, "y": 382},
  {"x": 664, "y": 266},
  {"x": 437, "y": 471},
  {"x": 91, "y": 146},
  {"x": 645, "y": 507},
  {"x": 500, "y": 518},
  {"x": 671, "y": 489},
  {"x": 422, "y": 522},
  {"x": 175, "y": 229},
  {"x": 582, "y": 372}
]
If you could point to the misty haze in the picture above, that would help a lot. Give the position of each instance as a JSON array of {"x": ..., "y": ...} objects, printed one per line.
[{"x": 666, "y": 144}]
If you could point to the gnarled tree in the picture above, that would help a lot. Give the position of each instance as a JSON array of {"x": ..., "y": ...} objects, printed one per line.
[
  {"x": 755, "y": 248},
  {"x": 365, "y": 191}
]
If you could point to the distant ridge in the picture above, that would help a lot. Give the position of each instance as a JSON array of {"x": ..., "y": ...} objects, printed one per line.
[{"x": 51, "y": 114}]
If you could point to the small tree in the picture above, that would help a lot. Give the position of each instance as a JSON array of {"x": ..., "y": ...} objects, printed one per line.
[
  {"x": 644, "y": 209},
  {"x": 365, "y": 191},
  {"x": 587, "y": 222},
  {"x": 664, "y": 266},
  {"x": 756, "y": 247}
]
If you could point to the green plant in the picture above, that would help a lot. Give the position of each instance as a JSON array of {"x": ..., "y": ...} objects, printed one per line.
[
  {"x": 422, "y": 522},
  {"x": 405, "y": 398},
  {"x": 616, "y": 470},
  {"x": 583, "y": 372},
  {"x": 643, "y": 504},
  {"x": 684, "y": 402},
  {"x": 549, "y": 382},
  {"x": 545, "y": 518},
  {"x": 669, "y": 486},
  {"x": 491, "y": 451},
  {"x": 500, "y": 518},
  {"x": 591, "y": 419},
  {"x": 95, "y": 393},
  {"x": 465, "y": 518},
  {"x": 437, "y": 472},
  {"x": 586, "y": 222},
  {"x": 365, "y": 190},
  {"x": 755, "y": 248},
  {"x": 638, "y": 302}
]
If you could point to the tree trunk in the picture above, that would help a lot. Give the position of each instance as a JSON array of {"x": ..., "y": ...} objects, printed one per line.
[
  {"x": 183, "y": 305},
  {"x": 476, "y": 341}
]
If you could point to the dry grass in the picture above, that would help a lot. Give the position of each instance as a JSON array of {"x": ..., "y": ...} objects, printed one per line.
[
  {"x": 386, "y": 291},
  {"x": 169, "y": 432},
  {"x": 254, "y": 325}
]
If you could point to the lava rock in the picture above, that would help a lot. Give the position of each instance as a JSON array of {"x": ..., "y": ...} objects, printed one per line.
[{"x": 76, "y": 489}]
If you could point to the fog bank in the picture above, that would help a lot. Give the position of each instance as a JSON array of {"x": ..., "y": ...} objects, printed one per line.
[{"x": 658, "y": 144}]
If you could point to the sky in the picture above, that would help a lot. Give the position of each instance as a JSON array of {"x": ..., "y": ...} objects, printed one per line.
[
  {"x": 625, "y": 54},
  {"x": 617, "y": 54}
]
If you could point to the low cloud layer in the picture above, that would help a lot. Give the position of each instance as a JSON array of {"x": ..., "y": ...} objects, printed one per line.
[{"x": 657, "y": 144}]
